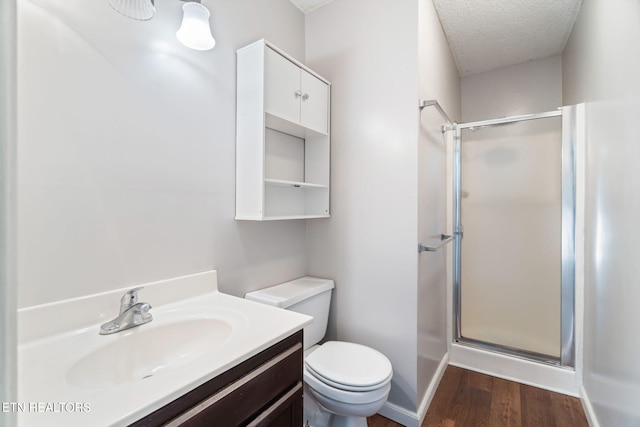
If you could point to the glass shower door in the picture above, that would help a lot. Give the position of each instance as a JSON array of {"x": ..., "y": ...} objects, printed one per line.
[{"x": 509, "y": 260}]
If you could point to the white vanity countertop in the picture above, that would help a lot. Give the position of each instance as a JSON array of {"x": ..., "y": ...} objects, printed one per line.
[{"x": 64, "y": 379}]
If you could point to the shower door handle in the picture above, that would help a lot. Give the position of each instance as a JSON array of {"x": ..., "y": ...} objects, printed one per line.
[{"x": 444, "y": 239}]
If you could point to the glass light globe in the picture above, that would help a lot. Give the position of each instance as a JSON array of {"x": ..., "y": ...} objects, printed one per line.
[
  {"x": 195, "y": 31},
  {"x": 141, "y": 10}
]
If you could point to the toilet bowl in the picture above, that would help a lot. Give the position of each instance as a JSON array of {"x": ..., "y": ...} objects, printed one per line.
[
  {"x": 344, "y": 382},
  {"x": 348, "y": 380}
]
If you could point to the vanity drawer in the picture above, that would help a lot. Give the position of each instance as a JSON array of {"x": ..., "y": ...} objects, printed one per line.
[
  {"x": 265, "y": 390},
  {"x": 237, "y": 402}
]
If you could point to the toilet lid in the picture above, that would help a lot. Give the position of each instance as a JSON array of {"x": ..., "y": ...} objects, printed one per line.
[{"x": 349, "y": 366}]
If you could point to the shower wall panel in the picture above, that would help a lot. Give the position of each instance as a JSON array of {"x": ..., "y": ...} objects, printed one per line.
[{"x": 602, "y": 68}]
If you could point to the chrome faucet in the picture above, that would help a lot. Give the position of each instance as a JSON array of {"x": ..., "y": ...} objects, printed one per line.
[{"x": 132, "y": 314}]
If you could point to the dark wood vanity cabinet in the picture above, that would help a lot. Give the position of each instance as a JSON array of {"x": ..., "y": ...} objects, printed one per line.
[{"x": 265, "y": 390}]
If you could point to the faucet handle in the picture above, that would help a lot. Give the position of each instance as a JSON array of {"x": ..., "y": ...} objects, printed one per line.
[
  {"x": 142, "y": 315},
  {"x": 129, "y": 299},
  {"x": 145, "y": 307}
]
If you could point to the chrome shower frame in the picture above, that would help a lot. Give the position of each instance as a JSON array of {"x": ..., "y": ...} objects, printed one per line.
[{"x": 567, "y": 345}]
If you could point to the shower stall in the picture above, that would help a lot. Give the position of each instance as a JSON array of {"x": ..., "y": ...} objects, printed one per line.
[
  {"x": 513, "y": 286},
  {"x": 514, "y": 227}
]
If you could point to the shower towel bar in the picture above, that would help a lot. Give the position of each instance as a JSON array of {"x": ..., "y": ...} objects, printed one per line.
[
  {"x": 444, "y": 239},
  {"x": 429, "y": 102}
]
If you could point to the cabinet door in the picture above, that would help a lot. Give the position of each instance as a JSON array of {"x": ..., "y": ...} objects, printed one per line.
[
  {"x": 315, "y": 102},
  {"x": 282, "y": 87}
]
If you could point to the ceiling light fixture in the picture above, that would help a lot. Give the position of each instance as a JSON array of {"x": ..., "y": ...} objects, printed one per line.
[
  {"x": 195, "y": 31},
  {"x": 140, "y": 10}
]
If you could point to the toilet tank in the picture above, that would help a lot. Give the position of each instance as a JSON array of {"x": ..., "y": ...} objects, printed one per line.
[{"x": 306, "y": 295}]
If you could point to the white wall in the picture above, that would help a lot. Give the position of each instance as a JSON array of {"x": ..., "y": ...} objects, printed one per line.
[
  {"x": 127, "y": 150},
  {"x": 370, "y": 52},
  {"x": 602, "y": 67},
  {"x": 532, "y": 87},
  {"x": 7, "y": 207}
]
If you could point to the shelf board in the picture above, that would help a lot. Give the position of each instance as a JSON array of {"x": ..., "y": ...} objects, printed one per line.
[
  {"x": 296, "y": 184},
  {"x": 279, "y": 217},
  {"x": 275, "y": 122}
]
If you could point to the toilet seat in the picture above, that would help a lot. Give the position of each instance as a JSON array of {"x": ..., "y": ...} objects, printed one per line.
[
  {"x": 345, "y": 396},
  {"x": 346, "y": 387},
  {"x": 349, "y": 366}
]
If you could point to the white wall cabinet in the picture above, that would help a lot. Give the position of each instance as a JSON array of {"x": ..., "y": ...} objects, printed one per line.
[
  {"x": 295, "y": 94},
  {"x": 282, "y": 140}
]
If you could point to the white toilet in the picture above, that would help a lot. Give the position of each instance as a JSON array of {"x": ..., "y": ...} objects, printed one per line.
[{"x": 344, "y": 382}]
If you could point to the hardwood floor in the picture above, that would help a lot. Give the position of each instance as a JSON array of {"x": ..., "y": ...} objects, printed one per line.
[{"x": 470, "y": 399}]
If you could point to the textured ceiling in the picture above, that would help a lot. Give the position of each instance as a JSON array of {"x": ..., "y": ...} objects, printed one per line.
[
  {"x": 489, "y": 34},
  {"x": 309, "y": 5}
]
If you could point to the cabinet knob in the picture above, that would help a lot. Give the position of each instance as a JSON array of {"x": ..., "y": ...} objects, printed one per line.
[
  {"x": 298, "y": 93},
  {"x": 305, "y": 96}
]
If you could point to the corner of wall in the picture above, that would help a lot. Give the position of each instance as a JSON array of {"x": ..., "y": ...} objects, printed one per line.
[
  {"x": 589, "y": 412},
  {"x": 7, "y": 207}
]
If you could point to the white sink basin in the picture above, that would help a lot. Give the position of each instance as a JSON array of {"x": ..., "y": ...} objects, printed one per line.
[
  {"x": 119, "y": 378},
  {"x": 145, "y": 351}
]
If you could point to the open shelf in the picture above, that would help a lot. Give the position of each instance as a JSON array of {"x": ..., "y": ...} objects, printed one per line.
[
  {"x": 282, "y": 217},
  {"x": 295, "y": 184},
  {"x": 275, "y": 122}
]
